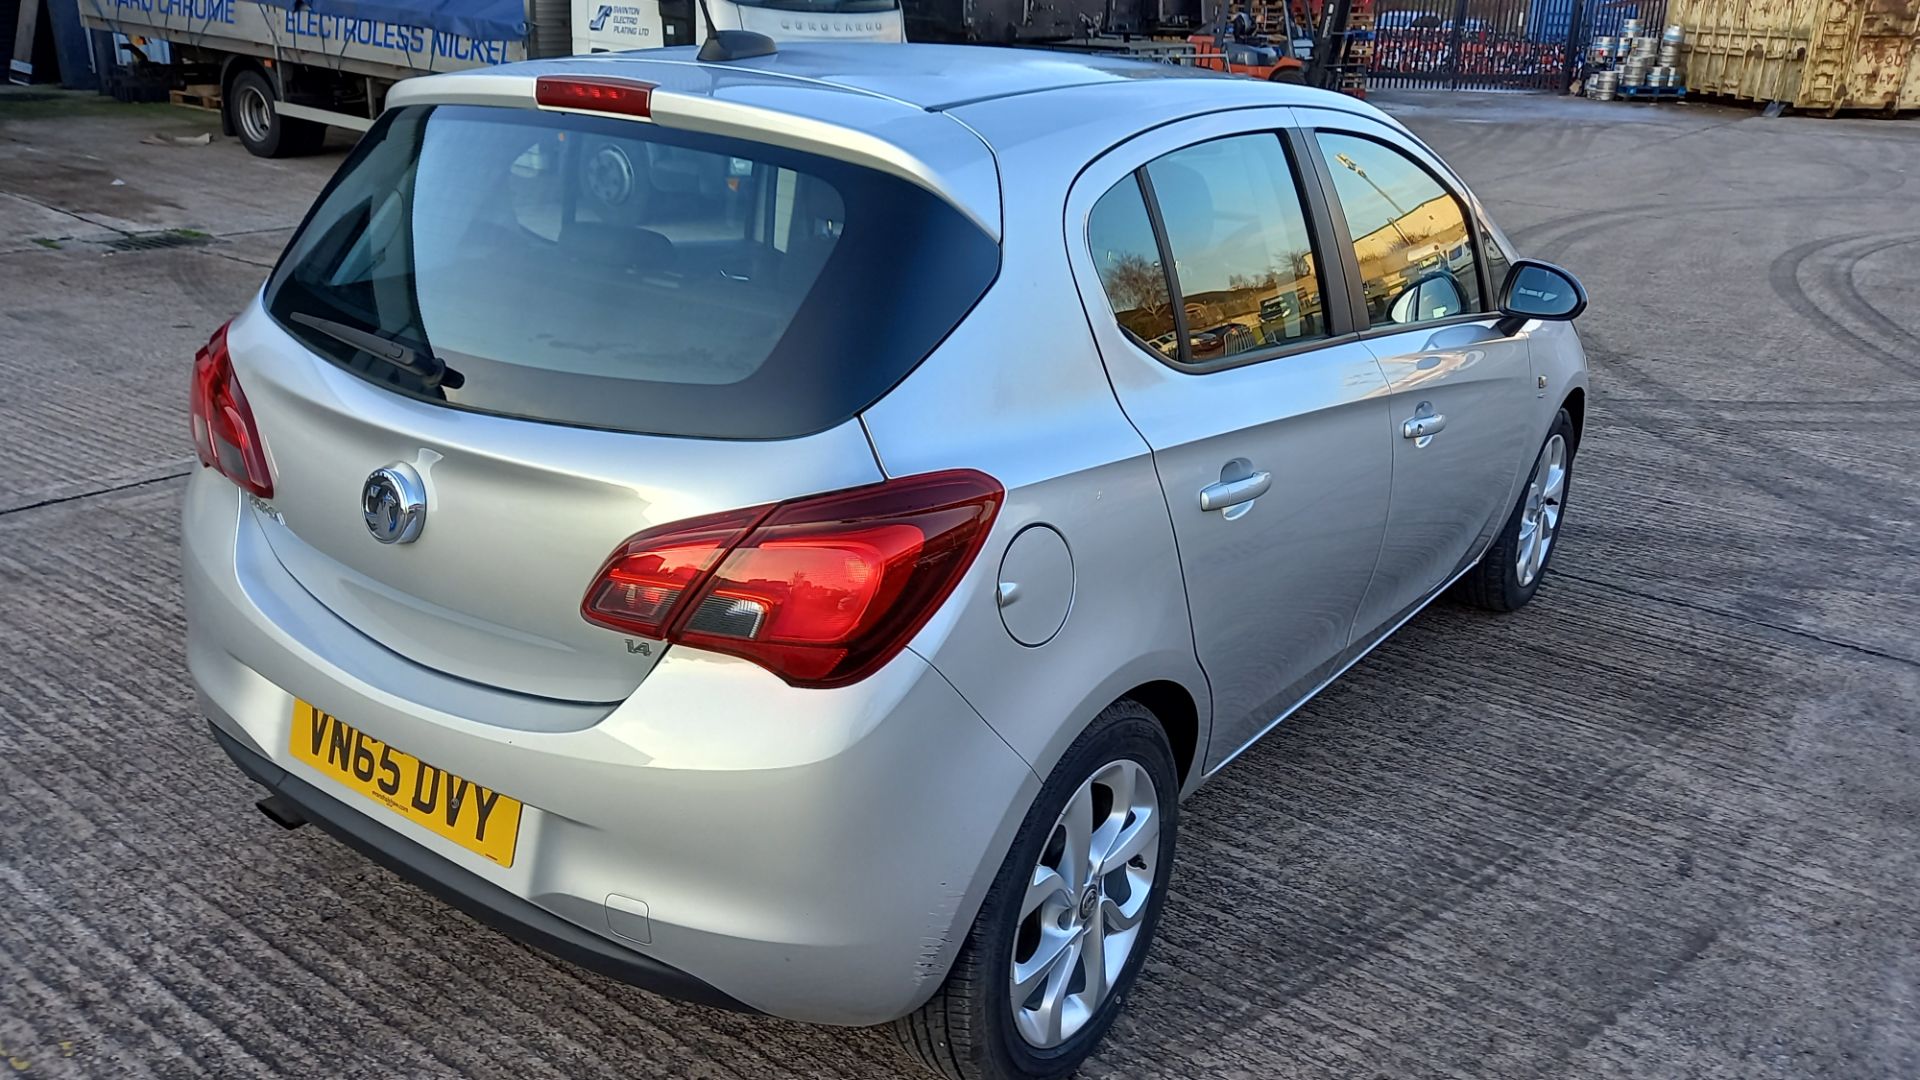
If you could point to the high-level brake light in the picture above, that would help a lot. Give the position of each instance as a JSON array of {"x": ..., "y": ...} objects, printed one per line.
[{"x": 594, "y": 93}]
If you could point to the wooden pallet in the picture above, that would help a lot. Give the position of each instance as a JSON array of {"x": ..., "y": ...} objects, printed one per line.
[{"x": 200, "y": 96}]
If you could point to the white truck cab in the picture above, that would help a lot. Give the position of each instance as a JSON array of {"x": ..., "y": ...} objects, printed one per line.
[
  {"x": 619, "y": 25},
  {"x": 282, "y": 72}
]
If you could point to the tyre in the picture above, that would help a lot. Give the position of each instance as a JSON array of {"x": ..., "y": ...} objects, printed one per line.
[
  {"x": 252, "y": 110},
  {"x": 1292, "y": 76},
  {"x": 1028, "y": 997},
  {"x": 1510, "y": 572}
]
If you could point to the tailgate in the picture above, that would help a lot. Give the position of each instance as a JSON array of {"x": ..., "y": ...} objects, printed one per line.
[{"x": 520, "y": 516}]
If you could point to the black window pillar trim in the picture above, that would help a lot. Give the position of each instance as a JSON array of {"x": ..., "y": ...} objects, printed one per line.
[
  {"x": 1482, "y": 239},
  {"x": 1160, "y": 241},
  {"x": 1327, "y": 231},
  {"x": 1331, "y": 219}
]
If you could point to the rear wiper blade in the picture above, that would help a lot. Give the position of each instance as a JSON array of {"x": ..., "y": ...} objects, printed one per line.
[{"x": 425, "y": 366}]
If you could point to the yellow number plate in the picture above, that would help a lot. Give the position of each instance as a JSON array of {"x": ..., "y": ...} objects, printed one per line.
[{"x": 478, "y": 819}]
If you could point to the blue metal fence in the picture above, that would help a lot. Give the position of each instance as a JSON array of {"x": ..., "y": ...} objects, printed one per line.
[{"x": 1493, "y": 44}]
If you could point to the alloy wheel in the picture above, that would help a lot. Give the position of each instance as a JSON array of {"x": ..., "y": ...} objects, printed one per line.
[
  {"x": 1081, "y": 916},
  {"x": 1540, "y": 521}
]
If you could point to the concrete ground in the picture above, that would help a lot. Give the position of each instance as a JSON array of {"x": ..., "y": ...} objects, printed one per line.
[{"x": 1664, "y": 822}]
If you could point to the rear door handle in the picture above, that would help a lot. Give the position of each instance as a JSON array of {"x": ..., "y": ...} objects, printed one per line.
[
  {"x": 1422, "y": 426},
  {"x": 1234, "y": 492}
]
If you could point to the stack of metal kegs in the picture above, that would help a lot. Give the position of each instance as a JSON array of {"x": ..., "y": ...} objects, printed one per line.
[
  {"x": 1669, "y": 65},
  {"x": 1602, "y": 80},
  {"x": 1634, "y": 58},
  {"x": 1639, "y": 61}
]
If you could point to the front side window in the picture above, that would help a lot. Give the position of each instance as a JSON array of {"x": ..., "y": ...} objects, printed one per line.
[
  {"x": 1243, "y": 260},
  {"x": 1410, "y": 235}
]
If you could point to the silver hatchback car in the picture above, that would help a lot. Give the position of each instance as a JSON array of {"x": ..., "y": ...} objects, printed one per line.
[{"x": 788, "y": 531}]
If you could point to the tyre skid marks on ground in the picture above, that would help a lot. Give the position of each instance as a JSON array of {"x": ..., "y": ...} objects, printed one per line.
[
  {"x": 1703, "y": 938},
  {"x": 1749, "y": 619},
  {"x": 1837, "y": 276},
  {"x": 1418, "y": 913},
  {"x": 1799, "y": 480},
  {"x": 1588, "y": 221},
  {"x": 1746, "y": 411}
]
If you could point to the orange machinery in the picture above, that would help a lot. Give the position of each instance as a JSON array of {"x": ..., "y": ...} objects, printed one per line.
[
  {"x": 1240, "y": 46},
  {"x": 1275, "y": 39}
]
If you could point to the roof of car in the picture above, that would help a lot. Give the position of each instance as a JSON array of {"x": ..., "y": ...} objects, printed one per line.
[
  {"x": 930, "y": 77},
  {"x": 938, "y": 77},
  {"x": 890, "y": 106}
]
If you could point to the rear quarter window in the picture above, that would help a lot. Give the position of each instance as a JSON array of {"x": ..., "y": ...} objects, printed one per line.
[{"x": 609, "y": 273}]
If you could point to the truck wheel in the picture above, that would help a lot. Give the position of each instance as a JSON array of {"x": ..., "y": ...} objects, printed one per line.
[
  {"x": 1292, "y": 76},
  {"x": 251, "y": 108}
]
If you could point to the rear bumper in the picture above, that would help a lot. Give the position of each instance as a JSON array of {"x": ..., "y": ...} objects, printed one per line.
[
  {"x": 813, "y": 855},
  {"x": 471, "y": 893}
]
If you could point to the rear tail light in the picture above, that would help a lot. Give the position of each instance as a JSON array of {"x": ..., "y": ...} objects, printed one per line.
[
  {"x": 223, "y": 430},
  {"x": 820, "y": 591}
]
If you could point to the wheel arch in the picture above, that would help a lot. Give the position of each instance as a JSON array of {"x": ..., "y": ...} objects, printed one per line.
[
  {"x": 1179, "y": 716},
  {"x": 236, "y": 64},
  {"x": 1576, "y": 407}
]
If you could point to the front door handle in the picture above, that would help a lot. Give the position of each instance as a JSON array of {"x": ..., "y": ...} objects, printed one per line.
[
  {"x": 1421, "y": 427},
  {"x": 1234, "y": 492}
]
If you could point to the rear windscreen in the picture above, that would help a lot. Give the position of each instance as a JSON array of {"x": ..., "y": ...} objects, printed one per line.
[{"x": 610, "y": 273}]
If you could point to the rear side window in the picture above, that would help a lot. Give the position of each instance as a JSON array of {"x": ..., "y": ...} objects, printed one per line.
[
  {"x": 1241, "y": 252},
  {"x": 608, "y": 273},
  {"x": 1410, "y": 234},
  {"x": 1120, "y": 236},
  {"x": 1239, "y": 273}
]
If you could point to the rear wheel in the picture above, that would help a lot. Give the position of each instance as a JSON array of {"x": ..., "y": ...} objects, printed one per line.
[
  {"x": 253, "y": 109},
  {"x": 1290, "y": 75},
  {"x": 1510, "y": 572},
  {"x": 1065, "y": 927}
]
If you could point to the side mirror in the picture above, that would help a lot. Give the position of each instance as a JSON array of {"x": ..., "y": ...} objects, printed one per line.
[
  {"x": 1539, "y": 290},
  {"x": 1435, "y": 295}
]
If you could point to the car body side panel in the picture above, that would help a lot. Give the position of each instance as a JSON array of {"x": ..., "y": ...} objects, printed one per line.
[
  {"x": 1560, "y": 359},
  {"x": 1272, "y": 585},
  {"x": 1018, "y": 391},
  {"x": 1452, "y": 491}
]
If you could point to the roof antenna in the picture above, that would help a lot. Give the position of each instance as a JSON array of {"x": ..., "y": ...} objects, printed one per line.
[{"x": 724, "y": 45}]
